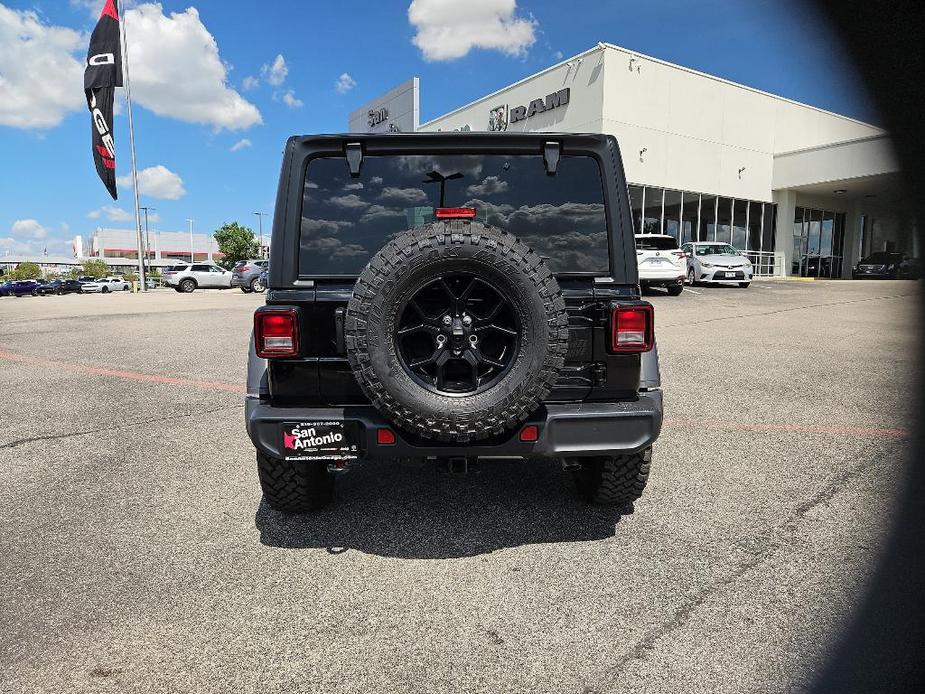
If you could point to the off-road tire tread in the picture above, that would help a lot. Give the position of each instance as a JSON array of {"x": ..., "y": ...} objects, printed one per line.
[
  {"x": 294, "y": 486},
  {"x": 615, "y": 481},
  {"x": 455, "y": 427}
]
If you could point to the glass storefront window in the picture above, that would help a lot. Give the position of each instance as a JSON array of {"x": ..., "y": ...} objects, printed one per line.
[
  {"x": 754, "y": 226},
  {"x": 652, "y": 211},
  {"x": 707, "y": 218},
  {"x": 690, "y": 214},
  {"x": 636, "y": 206},
  {"x": 828, "y": 231},
  {"x": 724, "y": 220},
  {"x": 672, "y": 216},
  {"x": 739, "y": 224},
  {"x": 814, "y": 236},
  {"x": 768, "y": 227}
]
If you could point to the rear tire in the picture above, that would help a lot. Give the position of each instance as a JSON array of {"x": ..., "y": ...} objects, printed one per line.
[
  {"x": 675, "y": 289},
  {"x": 744, "y": 285},
  {"x": 257, "y": 286},
  {"x": 187, "y": 286},
  {"x": 616, "y": 481},
  {"x": 295, "y": 486}
]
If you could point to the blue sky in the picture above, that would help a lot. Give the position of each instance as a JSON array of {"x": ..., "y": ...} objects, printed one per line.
[{"x": 237, "y": 94}]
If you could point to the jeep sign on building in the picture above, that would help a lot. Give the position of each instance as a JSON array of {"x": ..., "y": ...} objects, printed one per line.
[
  {"x": 398, "y": 110},
  {"x": 802, "y": 190}
]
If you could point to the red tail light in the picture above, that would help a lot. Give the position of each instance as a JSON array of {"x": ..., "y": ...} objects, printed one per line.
[
  {"x": 385, "y": 437},
  {"x": 632, "y": 328},
  {"x": 276, "y": 332},
  {"x": 455, "y": 212}
]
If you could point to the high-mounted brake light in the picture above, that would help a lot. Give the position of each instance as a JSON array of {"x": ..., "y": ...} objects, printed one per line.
[
  {"x": 276, "y": 333},
  {"x": 632, "y": 328},
  {"x": 455, "y": 212}
]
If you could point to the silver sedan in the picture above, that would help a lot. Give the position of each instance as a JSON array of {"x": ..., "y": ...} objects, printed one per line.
[{"x": 709, "y": 261}]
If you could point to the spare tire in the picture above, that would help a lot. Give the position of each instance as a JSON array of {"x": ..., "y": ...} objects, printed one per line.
[{"x": 456, "y": 331}]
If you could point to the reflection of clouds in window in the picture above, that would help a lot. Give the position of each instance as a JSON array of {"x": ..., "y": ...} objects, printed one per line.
[
  {"x": 571, "y": 236},
  {"x": 490, "y": 185},
  {"x": 377, "y": 212},
  {"x": 333, "y": 248},
  {"x": 354, "y": 186},
  {"x": 348, "y": 202},
  {"x": 311, "y": 184},
  {"x": 376, "y": 180},
  {"x": 319, "y": 227},
  {"x": 469, "y": 166},
  {"x": 403, "y": 196}
]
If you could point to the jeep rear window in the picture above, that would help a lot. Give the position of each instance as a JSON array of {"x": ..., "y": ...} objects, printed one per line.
[{"x": 346, "y": 220}]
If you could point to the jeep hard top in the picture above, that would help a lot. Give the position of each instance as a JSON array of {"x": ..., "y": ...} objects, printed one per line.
[{"x": 450, "y": 297}]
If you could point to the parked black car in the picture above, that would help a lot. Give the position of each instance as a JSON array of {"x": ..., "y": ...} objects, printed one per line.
[
  {"x": 61, "y": 287},
  {"x": 421, "y": 321},
  {"x": 887, "y": 265}
]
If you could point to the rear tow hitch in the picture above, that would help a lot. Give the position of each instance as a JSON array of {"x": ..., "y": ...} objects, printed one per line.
[{"x": 457, "y": 465}]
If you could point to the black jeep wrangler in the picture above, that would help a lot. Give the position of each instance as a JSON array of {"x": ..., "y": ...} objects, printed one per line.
[{"x": 452, "y": 297}]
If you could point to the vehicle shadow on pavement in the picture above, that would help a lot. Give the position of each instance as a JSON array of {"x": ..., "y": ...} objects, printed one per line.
[{"x": 412, "y": 511}]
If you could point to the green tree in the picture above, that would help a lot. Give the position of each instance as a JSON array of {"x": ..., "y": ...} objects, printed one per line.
[
  {"x": 26, "y": 271},
  {"x": 236, "y": 242},
  {"x": 130, "y": 276},
  {"x": 74, "y": 273},
  {"x": 94, "y": 268}
]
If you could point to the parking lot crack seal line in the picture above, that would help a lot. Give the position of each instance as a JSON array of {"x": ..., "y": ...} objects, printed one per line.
[
  {"x": 155, "y": 420},
  {"x": 119, "y": 373},
  {"x": 760, "y": 314},
  {"x": 779, "y": 536}
]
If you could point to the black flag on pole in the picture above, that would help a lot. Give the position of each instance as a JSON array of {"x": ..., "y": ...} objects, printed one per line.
[{"x": 102, "y": 76}]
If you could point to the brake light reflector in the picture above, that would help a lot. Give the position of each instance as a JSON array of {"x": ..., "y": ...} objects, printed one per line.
[
  {"x": 632, "y": 328},
  {"x": 455, "y": 212},
  {"x": 276, "y": 332},
  {"x": 530, "y": 433}
]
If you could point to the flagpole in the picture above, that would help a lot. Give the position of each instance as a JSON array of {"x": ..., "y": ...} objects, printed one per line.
[{"x": 131, "y": 138}]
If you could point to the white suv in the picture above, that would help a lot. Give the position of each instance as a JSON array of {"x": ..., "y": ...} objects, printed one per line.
[
  {"x": 189, "y": 278},
  {"x": 661, "y": 262}
]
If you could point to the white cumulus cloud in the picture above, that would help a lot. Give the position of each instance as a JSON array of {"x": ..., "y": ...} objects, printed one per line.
[
  {"x": 276, "y": 71},
  {"x": 449, "y": 29},
  {"x": 290, "y": 99},
  {"x": 28, "y": 229},
  {"x": 344, "y": 83},
  {"x": 156, "y": 182},
  {"x": 41, "y": 80},
  {"x": 177, "y": 71},
  {"x": 249, "y": 83}
]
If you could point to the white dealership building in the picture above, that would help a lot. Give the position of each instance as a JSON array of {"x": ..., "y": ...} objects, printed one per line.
[{"x": 804, "y": 191}]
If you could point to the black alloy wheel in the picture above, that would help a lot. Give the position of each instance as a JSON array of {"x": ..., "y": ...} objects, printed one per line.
[{"x": 457, "y": 334}]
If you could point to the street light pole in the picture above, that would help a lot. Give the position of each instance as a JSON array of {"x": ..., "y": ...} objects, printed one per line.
[
  {"x": 148, "y": 236},
  {"x": 260, "y": 216},
  {"x": 191, "y": 258}
]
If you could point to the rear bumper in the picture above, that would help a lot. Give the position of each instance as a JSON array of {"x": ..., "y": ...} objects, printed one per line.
[
  {"x": 566, "y": 430},
  {"x": 661, "y": 276},
  {"x": 241, "y": 280}
]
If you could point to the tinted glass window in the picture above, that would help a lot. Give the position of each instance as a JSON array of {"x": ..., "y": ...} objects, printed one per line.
[
  {"x": 345, "y": 220},
  {"x": 200, "y": 268},
  {"x": 655, "y": 243}
]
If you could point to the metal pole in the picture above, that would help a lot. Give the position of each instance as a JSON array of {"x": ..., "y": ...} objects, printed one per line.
[
  {"x": 191, "y": 258},
  {"x": 131, "y": 136},
  {"x": 260, "y": 216},
  {"x": 148, "y": 237}
]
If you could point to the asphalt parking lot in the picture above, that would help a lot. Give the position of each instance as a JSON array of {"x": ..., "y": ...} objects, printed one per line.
[{"x": 138, "y": 556}]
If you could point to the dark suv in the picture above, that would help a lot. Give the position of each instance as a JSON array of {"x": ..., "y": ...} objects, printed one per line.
[{"x": 451, "y": 297}]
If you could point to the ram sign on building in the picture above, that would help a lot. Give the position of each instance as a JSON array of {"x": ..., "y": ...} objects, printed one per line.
[{"x": 804, "y": 191}]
